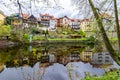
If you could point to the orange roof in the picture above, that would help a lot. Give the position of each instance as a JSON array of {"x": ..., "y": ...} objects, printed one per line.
[
  {"x": 47, "y": 15},
  {"x": 44, "y": 14}
]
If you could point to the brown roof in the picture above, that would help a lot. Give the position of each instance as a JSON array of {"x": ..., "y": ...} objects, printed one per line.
[{"x": 63, "y": 17}]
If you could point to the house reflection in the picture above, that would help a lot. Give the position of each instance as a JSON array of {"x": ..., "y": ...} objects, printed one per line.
[
  {"x": 1, "y": 67},
  {"x": 47, "y": 56},
  {"x": 87, "y": 55},
  {"x": 102, "y": 59}
]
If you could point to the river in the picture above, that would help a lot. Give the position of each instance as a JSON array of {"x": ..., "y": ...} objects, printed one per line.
[{"x": 53, "y": 62}]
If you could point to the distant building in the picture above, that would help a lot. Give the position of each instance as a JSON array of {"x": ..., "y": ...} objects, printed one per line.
[
  {"x": 63, "y": 22},
  {"x": 47, "y": 21},
  {"x": 1, "y": 67},
  {"x": 31, "y": 21},
  {"x": 17, "y": 21},
  {"x": 74, "y": 24},
  {"x": 85, "y": 25},
  {"x": 2, "y": 17}
]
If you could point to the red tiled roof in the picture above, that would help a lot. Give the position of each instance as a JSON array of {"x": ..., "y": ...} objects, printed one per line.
[
  {"x": 44, "y": 14},
  {"x": 47, "y": 15}
]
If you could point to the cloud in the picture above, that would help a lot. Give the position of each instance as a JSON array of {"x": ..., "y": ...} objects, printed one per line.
[{"x": 58, "y": 8}]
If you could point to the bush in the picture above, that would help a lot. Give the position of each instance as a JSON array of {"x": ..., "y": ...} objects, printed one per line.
[
  {"x": 38, "y": 38},
  {"x": 82, "y": 33},
  {"x": 5, "y": 30},
  {"x": 26, "y": 37}
]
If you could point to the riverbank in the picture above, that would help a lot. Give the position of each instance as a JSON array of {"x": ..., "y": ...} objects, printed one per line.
[
  {"x": 7, "y": 43},
  {"x": 111, "y": 75},
  {"x": 87, "y": 40}
]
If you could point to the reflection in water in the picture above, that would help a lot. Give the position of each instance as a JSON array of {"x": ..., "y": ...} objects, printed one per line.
[{"x": 56, "y": 62}]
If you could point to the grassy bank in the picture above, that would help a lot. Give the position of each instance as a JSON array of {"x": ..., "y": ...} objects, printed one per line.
[{"x": 111, "y": 75}]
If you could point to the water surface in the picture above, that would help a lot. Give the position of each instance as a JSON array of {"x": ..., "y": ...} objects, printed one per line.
[{"x": 53, "y": 62}]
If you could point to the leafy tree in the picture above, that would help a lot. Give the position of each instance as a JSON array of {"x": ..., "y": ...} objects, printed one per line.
[
  {"x": 8, "y": 20},
  {"x": 82, "y": 33},
  {"x": 5, "y": 30},
  {"x": 96, "y": 7},
  {"x": 104, "y": 35}
]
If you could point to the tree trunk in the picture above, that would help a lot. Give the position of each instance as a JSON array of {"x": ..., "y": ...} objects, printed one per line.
[
  {"x": 103, "y": 33},
  {"x": 117, "y": 23}
]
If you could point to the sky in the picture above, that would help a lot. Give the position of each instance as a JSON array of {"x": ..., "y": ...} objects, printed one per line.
[{"x": 59, "y": 9}]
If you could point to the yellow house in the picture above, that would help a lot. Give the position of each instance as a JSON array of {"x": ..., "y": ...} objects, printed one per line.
[{"x": 2, "y": 17}]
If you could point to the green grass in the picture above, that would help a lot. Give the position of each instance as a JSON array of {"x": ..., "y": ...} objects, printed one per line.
[
  {"x": 113, "y": 75},
  {"x": 35, "y": 38},
  {"x": 66, "y": 39}
]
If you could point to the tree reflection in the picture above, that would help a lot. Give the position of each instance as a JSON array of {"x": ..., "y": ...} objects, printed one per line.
[{"x": 46, "y": 55}]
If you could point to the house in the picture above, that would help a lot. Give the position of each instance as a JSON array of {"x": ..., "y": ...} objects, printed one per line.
[
  {"x": 2, "y": 17},
  {"x": 1, "y": 67},
  {"x": 74, "y": 24},
  {"x": 52, "y": 24},
  {"x": 85, "y": 25},
  {"x": 17, "y": 20},
  {"x": 47, "y": 21},
  {"x": 31, "y": 21},
  {"x": 63, "y": 22}
]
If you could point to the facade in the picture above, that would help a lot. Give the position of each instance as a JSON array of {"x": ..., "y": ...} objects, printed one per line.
[
  {"x": 2, "y": 17},
  {"x": 47, "y": 21},
  {"x": 17, "y": 21},
  {"x": 85, "y": 25},
  {"x": 31, "y": 21},
  {"x": 74, "y": 24},
  {"x": 1, "y": 67},
  {"x": 52, "y": 24},
  {"x": 86, "y": 56},
  {"x": 65, "y": 22}
]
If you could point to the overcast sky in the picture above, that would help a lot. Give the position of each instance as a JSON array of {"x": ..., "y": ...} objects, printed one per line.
[{"x": 58, "y": 9}]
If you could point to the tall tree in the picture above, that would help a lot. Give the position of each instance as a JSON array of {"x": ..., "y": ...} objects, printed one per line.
[
  {"x": 103, "y": 33},
  {"x": 117, "y": 23}
]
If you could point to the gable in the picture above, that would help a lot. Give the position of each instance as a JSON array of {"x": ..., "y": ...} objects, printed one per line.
[{"x": 32, "y": 18}]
